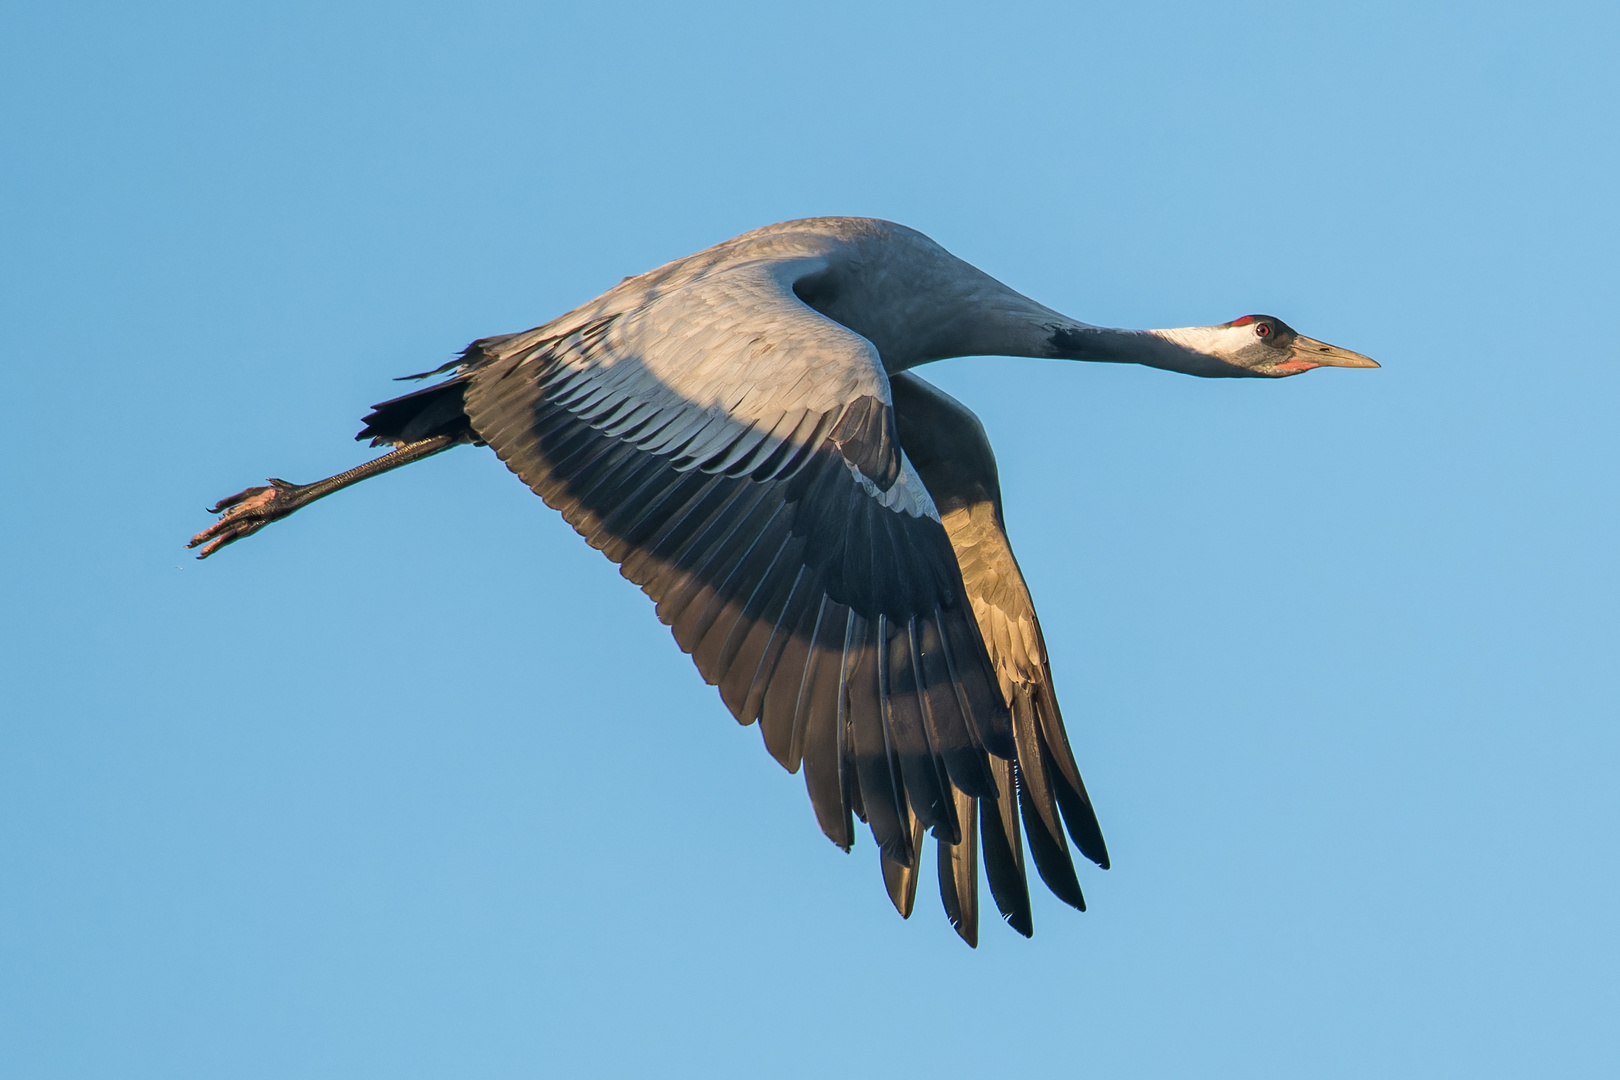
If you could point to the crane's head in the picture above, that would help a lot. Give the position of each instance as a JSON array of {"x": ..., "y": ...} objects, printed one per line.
[{"x": 1264, "y": 345}]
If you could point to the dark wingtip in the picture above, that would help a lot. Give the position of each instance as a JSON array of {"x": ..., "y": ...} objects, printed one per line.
[
  {"x": 900, "y": 881},
  {"x": 1002, "y": 849},
  {"x": 1082, "y": 823}
]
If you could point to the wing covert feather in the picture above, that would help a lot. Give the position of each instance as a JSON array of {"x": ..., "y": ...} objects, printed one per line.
[{"x": 780, "y": 531}]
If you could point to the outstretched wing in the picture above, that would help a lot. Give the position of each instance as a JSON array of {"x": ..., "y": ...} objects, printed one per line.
[
  {"x": 735, "y": 453},
  {"x": 947, "y": 445}
]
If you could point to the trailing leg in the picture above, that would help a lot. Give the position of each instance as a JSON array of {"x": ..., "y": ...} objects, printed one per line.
[{"x": 246, "y": 512}]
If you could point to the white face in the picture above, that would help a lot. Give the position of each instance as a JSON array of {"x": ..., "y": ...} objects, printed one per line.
[{"x": 1264, "y": 345}]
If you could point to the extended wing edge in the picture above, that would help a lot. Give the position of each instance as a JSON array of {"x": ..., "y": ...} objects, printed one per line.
[
  {"x": 1040, "y": 790},
  {"x": 821, "y": 604}
]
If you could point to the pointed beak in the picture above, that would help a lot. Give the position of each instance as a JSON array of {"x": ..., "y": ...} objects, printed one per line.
[{"x": 1309, "y": 353}]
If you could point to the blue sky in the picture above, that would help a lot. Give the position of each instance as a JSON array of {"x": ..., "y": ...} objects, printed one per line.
[{"x": 414, "y": 784}]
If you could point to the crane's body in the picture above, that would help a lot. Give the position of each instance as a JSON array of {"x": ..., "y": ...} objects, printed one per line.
[{"x": 741, "y": 431}]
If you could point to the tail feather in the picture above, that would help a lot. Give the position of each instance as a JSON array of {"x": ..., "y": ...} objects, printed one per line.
[{"x": 439, "y": 409}]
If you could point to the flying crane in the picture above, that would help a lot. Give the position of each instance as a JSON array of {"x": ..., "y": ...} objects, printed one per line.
[{"x": 743, "y": 433}]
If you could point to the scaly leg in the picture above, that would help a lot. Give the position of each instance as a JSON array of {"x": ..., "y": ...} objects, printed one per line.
[{"x": 246, "y": 512}]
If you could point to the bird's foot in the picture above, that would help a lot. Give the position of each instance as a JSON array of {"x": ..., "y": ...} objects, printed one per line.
[{"x": 246, "y": 512}]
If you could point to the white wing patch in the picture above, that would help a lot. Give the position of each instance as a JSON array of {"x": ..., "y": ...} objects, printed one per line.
[{"x": 906, "y": 495}]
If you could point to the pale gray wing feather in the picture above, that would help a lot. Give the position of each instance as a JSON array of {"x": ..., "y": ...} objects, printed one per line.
[{"x": 734, "y": 452}]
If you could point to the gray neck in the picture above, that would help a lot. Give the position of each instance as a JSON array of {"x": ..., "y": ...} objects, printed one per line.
[
  {"x": 1008, "y": 324},
  {"x": 933, "y": 306},
  {"x": 1151, "y": 348}
]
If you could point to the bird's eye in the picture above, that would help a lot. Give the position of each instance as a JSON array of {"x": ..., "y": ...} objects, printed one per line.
[{"x": 1262, "y": 330}]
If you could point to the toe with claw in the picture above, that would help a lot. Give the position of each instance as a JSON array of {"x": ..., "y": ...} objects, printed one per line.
[{"x": 246, "y": 512}]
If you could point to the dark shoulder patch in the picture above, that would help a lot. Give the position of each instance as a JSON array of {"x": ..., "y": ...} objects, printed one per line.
[
  {"x": 865, "y": 435},
  {"x": 946, "y": 444}
]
